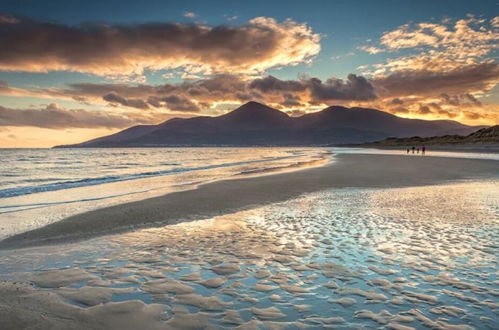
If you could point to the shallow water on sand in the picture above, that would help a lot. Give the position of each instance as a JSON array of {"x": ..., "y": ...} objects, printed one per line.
[
  {"x": 42, "y": 186},
  {"x": 422, "y": 257}
]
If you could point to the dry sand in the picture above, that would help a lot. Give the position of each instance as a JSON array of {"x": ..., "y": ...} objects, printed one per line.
[{"x": 352, "y": 170}]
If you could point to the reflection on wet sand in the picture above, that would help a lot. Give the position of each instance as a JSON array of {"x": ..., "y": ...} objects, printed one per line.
[{"x": 346, "y": 258}]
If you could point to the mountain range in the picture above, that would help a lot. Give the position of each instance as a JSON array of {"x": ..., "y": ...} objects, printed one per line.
[{"x": 255, "y": 124}]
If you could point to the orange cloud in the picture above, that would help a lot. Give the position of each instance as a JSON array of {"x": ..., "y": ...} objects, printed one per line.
[
  {"x": 196, "y": 95},
  {"x": 463, "y": 79},
  {"x": 104, "y": 49},
  {"x": 467, "y": 38},
  {"x": 446, "y": 72}
]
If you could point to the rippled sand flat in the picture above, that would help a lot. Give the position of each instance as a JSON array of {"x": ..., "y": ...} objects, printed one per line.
[{"x": 404, "y": 258}]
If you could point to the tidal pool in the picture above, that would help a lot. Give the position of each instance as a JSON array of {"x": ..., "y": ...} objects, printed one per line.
[{"x": 419, "y": 257}]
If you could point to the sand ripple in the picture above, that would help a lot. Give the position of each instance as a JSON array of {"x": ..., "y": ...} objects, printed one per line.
[{"x": 404, "y": 258}]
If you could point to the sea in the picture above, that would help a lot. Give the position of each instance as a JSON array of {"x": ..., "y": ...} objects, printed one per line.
[{"x": 41, "y": 186}]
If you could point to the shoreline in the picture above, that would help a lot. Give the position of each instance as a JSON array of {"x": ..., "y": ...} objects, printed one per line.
[{"x": 226, "y": 196}]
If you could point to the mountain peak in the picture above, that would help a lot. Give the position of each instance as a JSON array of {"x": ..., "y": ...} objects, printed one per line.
[
  {"x": 255, "y": 111},
  {"x": 254, "y": 106},
  {"x": 254, "y": 103},
  {"x": 335, "y": 108}
]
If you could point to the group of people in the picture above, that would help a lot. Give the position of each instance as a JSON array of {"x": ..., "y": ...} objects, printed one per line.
[{"x": 417, "y": 149}]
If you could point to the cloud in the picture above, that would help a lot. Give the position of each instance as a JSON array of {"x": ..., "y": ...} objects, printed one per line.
[
  {"x": 464, "y": 79},
  {"x": 447, "y": 114},
  {"x": 463, "y": 99},
  {"x": 424, "y": 110},
  {"x": 459, "y": 42},
  {"x": 397, "y": 101},
  {"x": 105, "y": 49},
  {"x": 371, "y": 49},
  {"x": 437, "y": 47},
  {"x": 438, "y": 70},
  {"x": 115, "y": 98},
  {"x": 354, "y": 88},
  {"x": 296, "y": 113},
  {"x": 174, "y": 103},
  {"x": 471, "y": 115},
  {"x": 271, "y": 84},
  {"x": 466, "y": 38},
  {"x": 8, "y": 19},
  {"x": 190, "y": 14},
  {"x": 203, "y": 94},
  {"x": 188, "y": 95},
  {"x": 291, "y": 100},
  {"x": 399, "y": 110},
  {"x": 398, "y": 94},
  {"x": 54, "y": 116}
]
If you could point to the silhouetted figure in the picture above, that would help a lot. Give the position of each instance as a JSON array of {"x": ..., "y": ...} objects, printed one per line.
[
  {"x": 413, "y": 149},
  {"x": 423, "y": 150},
  {"x": 417, "y": 150},
  {"x": 408, "y": 150}
]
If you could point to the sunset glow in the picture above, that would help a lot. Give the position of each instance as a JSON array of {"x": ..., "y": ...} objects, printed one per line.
[{"x": 69, "y": 73}]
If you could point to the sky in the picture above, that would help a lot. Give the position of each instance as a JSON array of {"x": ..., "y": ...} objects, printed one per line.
[{"x": 75, "y": 70}]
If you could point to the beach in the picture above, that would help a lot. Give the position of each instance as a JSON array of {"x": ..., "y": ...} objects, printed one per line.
[
  {"x": 367, "y": 240},
  {"x": 204, "y": 201},
  {"x": 252, "y": 165}
]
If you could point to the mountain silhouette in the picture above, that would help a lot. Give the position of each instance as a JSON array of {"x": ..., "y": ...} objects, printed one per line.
[{"x": 255, "y": 124}]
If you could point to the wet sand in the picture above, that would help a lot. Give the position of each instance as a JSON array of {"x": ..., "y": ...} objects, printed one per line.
[
  {"x": 213, "y": 199},
  {"x": 354, "y": 258}
]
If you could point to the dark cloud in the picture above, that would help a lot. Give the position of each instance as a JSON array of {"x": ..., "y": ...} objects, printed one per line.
[
  {"x": 435, "y": 106},
  {"x": 424, "y": 110},
  {"x": 291, "y": 100},
  {"x": 104, "y": 49},
  {"x": 134, "y": 103},
  {"x": 354, "y": 88},
  {"x": 54, "y": 116},
  {"x": 272, "y": 84},
  {"x": 472, "y": 99},
  {"x": 174, "y": 103},
  {"x": 243, "y": 96},
  {"x": 461, "y": 80},
  {"x": 397, "y": 101},
  {"x": 451, "y": 100},
  {"x": 460, "y": 99},
  {"x": 188, "y": 95}
]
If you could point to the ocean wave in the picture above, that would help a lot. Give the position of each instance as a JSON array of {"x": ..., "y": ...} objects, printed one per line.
[
  {"x": 91, "y": 181},
  {"x": 313, "y": 162}
]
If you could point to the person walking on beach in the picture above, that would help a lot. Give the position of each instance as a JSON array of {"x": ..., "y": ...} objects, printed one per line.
[
  {"x": 413, "y": 149},
  {"x": 423, "y": 150},
  {"x": 408, "y": 150},
  {"x": 417, "y": 150}
]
